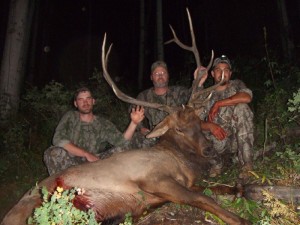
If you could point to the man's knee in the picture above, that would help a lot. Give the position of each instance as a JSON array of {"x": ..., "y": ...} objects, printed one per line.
[
  {"x": 53, "y": 153},
  {"x": 243, "y": 120},
  {"x": 243, "y": 110},
  {"x": 55, "y": 159}
]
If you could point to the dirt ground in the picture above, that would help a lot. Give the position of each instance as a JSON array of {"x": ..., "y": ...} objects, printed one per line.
[{"x": 173, "y": 214}]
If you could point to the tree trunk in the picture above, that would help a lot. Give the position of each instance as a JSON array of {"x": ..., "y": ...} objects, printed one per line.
[
  {"x": 14, "y": 56},
  {"x": 141, "y": 45},
  {"x": 31, "y": 62},
  {"x": 159, "y": 32},
  {"x": 288, "y": 46}
]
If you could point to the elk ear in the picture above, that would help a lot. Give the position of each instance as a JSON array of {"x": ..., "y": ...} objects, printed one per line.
[{"x": 160, "y": 129}]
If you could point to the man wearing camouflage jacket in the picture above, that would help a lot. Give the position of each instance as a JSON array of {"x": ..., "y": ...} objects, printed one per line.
[
  {"x": 80, "y": 134},
  {"x": 229, "y": 119},
  {"x": 160, "y": 93}
]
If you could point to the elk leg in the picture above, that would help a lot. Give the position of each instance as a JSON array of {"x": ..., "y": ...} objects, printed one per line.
[
  {"x": 172, "y": 191},
  {"x": 221, "y": 189}
]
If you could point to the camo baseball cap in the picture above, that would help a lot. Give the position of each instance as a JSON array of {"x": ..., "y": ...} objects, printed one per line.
[
  {"x": 158, "y": 64},
  {"x": 222, "y": 59}
]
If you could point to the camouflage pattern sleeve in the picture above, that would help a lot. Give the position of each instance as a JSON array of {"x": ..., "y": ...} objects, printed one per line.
[
  {"x": 64, "y": 130},
  {"x": 175, "y": 96},
  {"x": 241, "y": 87},
  {"x": 181, "y": 95},
  {"x": 110, "y": 133}
]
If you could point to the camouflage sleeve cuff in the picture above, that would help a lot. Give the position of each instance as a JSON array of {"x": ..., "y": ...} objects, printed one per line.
[
  {"x": 62, "y": 143},
  {"x": 248, "y": 91}
]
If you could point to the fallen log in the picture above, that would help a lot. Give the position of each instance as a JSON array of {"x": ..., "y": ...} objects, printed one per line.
[{"x": 284, "y": 193}]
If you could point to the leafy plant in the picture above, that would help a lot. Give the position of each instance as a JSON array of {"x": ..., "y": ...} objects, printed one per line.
[
  {"x": 278, "y": 212},
  {"x": 57, "y": 208},
  {"x": 294, "y": 107},
  {"x": 245, "y": 208},
  {"x": 290, "y": 158},
  {"x": 48, "y": 103},
  {"x": 128, "y": 220}
]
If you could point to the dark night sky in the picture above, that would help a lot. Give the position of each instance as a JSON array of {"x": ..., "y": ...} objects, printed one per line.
[{"x": 73, "y": 30}]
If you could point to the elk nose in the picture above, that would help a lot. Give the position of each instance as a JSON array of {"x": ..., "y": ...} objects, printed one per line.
[{"x": 208, "y": 152}]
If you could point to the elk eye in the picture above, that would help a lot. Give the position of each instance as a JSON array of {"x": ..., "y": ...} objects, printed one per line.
[{"x": 178, "y": 130}]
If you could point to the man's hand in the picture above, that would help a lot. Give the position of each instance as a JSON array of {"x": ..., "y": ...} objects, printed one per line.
[
  {"x": 91, "y": 157},
  {"x": 144, "y": 130},
  {"x": 218, "y": 131},
  {"x": 137, "y": 114},
  {"x": 80, "y": 152},
  {"x": 203, "y": 78},
  {"x": 215, "y": 129}
]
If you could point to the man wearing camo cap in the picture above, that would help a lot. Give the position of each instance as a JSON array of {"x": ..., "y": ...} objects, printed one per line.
[
  {"x": 160, "y": 93},
  {"x": 229, "y": 119},
  {"x": 80, "y": 134}
]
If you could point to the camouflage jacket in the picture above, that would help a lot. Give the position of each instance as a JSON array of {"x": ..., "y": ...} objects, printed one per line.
[
  {"x": 175, "y": 96},
  {"x": 89, "y": 136},
  {"x": 235, "y": 86}
]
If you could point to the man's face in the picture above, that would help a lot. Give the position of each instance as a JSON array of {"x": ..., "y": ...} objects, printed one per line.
[
  {"x": 84, "y": 102},
  {"x": 218, "y": 70},
  {"x": 160, "y": 77}
]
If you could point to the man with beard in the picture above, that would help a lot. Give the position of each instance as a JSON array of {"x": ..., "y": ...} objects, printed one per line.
[
  {"x": 228, "y": 118},
  {"x": 80, "y": 134},
  {"x": 161, "y": 93}
]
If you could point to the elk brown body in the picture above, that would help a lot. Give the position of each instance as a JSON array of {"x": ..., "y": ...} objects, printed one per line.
[{"x": 134, "y": 180}]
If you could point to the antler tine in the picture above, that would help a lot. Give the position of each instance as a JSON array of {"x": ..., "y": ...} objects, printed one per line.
[
  {"x": 211, "y": 60},
  {"x": 119, "y": 93},
  {"x": 195, "y": 100},
  {"x": 195, "y": 49},
  {"x": 192, "y": 48}
]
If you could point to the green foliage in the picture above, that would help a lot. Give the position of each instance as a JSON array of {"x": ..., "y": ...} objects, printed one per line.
[
  {"x": 290, "y": 159},
  {"x": 107, "y": 104},
  {"x": 128, "y": 220},
  {"x": 208, "y": 192},
  {"x": 57, "y": 208},
  {"x": 273, "y": 115},
  {"x": 43, "y": 108},
  {"x": 29, "y": 133},
  {"x": 294, "y": 107},
  {"x": 209, "y": 216},
  {"x": 245, "y": 208},
  {"x": 47, "y": 103}
]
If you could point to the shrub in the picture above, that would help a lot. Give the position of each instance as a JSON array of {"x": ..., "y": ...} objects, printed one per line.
[{"x": 57, "y": 208}]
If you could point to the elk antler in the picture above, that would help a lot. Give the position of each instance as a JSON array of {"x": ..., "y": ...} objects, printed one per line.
[
  {"x": 123, "y": 96},
  {"x": 194, "y": 98}
]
